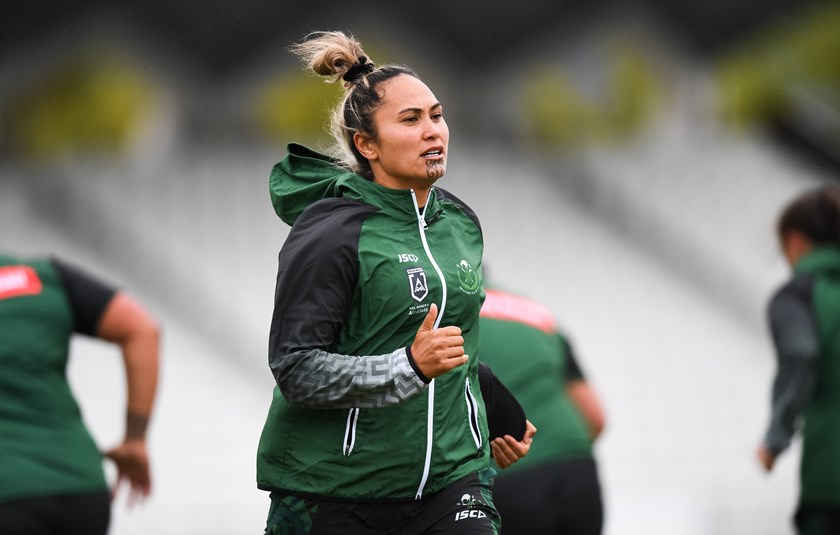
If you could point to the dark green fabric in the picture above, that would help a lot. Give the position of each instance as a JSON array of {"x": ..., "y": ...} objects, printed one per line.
[
  {"x": 530, "y": 363},
  {"x": 300, "y": 448},
  {"x": 44, "y": 446},
  {"x": 820, "y": 470}
]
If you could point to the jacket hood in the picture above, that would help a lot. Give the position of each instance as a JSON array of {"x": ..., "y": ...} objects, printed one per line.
[
  {"x": 821, "y": 260},
  {"x": 305, "y": 176}
]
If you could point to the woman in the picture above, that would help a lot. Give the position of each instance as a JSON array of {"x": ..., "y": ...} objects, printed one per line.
[
  {"x": 556, "y": 488},
  {"x": 804, "y": 320},
  {"x": 51, "y": 476},
  {"x": 378, "y": 423}
]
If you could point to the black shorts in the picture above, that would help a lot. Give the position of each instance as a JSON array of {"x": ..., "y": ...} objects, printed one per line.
[
  {"x": 75, "y": 514},
  {"x": 816, "y": 520},
  {"x": 464, "y": 508},
  {"x": 561, "y": 497}
]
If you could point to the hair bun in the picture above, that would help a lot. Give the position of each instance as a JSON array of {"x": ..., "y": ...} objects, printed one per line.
[{"x": 359, "y": 69}]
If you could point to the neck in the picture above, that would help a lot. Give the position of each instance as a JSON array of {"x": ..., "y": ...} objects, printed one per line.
[{"x": 422, "y": 196}]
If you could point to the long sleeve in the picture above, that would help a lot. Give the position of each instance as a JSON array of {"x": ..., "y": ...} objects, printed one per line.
[
  {"x": 796, "y": 340},
  {"x": 505, "y": 415},
  {"x": 316, "y": 280}
]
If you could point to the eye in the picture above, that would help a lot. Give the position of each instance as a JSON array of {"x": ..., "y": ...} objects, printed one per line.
[
  {"x": 437, "y": 115},
  {"x": 410, "y": 119}
]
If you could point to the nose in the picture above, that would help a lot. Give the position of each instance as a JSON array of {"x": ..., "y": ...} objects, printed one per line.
[{"x": 432, "y": 129}]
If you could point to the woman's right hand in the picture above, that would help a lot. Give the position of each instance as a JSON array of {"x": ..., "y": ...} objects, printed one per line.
[{"x": 436, "y": 351}]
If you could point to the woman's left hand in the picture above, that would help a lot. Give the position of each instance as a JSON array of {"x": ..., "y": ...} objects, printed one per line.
[{"x": 507, "y": 450}]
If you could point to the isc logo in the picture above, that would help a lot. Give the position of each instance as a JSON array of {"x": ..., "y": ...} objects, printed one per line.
[
  {"x": 471, "y": 513},
  {"x": 407, "y": 257}
]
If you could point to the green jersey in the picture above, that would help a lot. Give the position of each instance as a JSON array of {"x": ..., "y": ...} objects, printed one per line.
[
  {"x": 521, "y": 345},
  {"x": 44, "y": 446}
]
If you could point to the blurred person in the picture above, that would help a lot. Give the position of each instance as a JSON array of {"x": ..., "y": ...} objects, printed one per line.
[
  {"x": 52, "y": 480},
  {"x": 804, "y": 320},
  {"x": 377, "y": 423},
  {"x": 555, "y": 488}
]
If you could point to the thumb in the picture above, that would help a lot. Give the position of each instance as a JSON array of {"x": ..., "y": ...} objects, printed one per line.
[{"x": 429, "y": 320}]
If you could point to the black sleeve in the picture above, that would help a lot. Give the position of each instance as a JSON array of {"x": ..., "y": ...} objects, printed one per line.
[
  {"x": 88, "y": 296},
  {"x": 795, "y": 337},
  {"x": 317, "y": 271},
  {"x": 505, "y": 415},
  {"x": 573, "y": 370}
]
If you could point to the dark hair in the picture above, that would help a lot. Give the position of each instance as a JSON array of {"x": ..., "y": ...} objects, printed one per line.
[
  {"x": 815, "y": 214},
  {"x": 338, "y": 56}
]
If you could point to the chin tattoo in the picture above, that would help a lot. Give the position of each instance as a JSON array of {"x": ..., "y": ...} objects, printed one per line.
[{"x": 435, "y": 169}]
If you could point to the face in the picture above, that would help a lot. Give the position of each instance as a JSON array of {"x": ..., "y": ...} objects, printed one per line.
[
  {"x": 795, "y": 245},
  {"x": 412, "y": 139}
]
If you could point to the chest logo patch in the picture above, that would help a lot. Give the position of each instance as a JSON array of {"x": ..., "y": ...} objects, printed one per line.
[
  {"x": 417, "y": 284},
  {"x": 467, "y": 277},
  {"x": 18, "y": 280}
]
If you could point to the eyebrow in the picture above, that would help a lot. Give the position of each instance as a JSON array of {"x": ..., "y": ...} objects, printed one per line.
[{"x": 418, "y": 110}]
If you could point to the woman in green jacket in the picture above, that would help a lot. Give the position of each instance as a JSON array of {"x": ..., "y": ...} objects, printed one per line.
[
  {"x": 377, "y": 423},
  {"x": 804, "y": 318}
]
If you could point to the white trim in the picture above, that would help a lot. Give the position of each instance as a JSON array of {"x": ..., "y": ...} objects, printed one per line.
[
  {"x": 472, "y": 413},
  {"x": 430, "y": 408},
  {"x": 350, "y": 431},
  {"x": 430, "y": 429}
]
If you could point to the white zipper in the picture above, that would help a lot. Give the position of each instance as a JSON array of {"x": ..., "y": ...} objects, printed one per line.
[
  {"x": 430, "y": 408},
  {"x": 472, "y": 412},
  {"x": 350, "y": 431}
]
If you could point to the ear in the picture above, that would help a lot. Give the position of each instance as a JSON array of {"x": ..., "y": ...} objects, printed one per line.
[{"x": 366, "y": 146}]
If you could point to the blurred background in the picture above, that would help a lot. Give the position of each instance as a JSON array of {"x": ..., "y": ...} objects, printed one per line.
[{"x": 627, "y": 160}]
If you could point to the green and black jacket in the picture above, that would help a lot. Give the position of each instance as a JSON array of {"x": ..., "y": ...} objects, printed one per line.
[
  {"x": 804, "y": 317},
  {"x": 352, "y": 418}
]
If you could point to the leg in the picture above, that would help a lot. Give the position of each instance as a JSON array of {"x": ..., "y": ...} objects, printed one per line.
[
  {"x": 812, "y": 520},
  {"x": 525, "y": 502},
  {"x": 582, "y": 510},
  {"x": 562, "y": 497}
]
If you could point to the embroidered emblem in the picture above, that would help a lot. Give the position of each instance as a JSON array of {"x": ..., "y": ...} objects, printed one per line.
[
  {"x": 468, "y": 278},
  {"x": 417, "y": 283}
]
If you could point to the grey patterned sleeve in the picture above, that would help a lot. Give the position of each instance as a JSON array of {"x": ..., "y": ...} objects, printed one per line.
[
  {"x": 319, "y": 379},
  {"x": 795, "y": 337}
]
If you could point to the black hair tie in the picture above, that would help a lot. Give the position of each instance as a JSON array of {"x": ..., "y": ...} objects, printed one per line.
[{"x": 359, "y": 69}]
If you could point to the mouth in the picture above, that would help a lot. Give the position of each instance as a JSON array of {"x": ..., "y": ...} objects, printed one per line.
[{"x": 434, "y": 153}]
